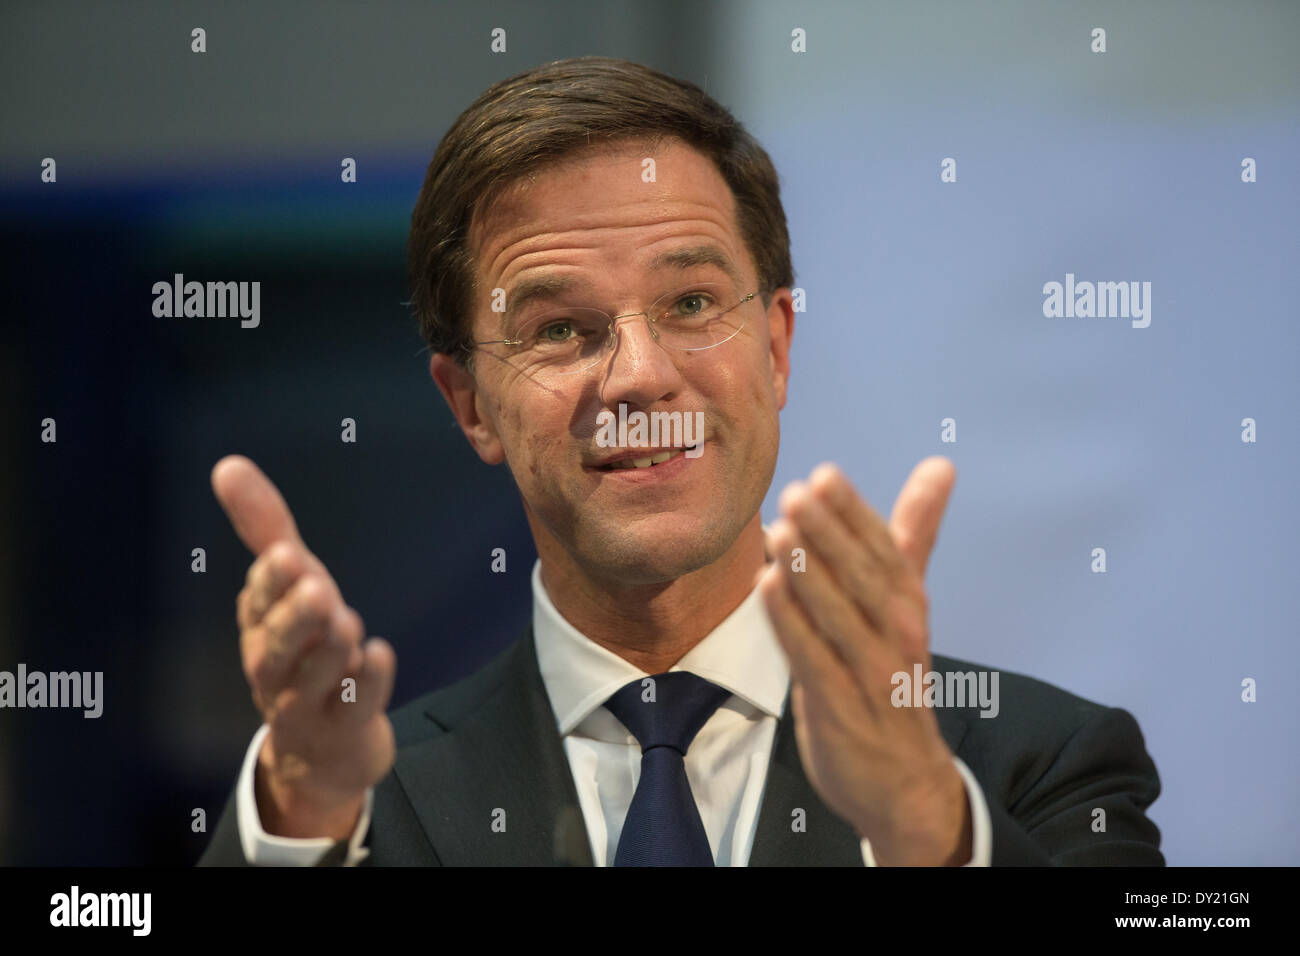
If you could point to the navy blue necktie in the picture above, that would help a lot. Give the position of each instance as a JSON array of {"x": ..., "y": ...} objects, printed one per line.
[{"x": 663, "y": 826}]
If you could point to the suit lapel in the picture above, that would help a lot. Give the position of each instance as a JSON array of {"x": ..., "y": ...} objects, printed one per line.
[
  {"x": 495, "y": 789},
  {"x": 826, "y": 839}
]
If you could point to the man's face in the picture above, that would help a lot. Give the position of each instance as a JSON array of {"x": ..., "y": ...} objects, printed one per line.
[{"x": 593, "y": 220}]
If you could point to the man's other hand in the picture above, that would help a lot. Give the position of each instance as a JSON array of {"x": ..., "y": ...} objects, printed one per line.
[
  {"x": 299, "y": 641},
  {"x": 850, "y": 615}
]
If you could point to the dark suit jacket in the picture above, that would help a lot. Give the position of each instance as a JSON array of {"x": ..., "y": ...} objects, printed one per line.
[{"x": 490, "y": 742}]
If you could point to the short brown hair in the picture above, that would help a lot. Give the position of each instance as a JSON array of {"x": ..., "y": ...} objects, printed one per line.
[{"x": 519, "y": 124}]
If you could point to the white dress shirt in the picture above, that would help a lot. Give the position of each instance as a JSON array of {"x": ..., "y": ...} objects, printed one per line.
[{"x": 726, "y": 763}]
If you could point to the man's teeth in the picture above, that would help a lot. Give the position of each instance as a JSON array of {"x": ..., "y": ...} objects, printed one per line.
[{"x": 660, "y": 458}]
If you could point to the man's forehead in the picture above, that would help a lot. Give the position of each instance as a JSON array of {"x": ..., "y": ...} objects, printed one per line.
[{"x": 683, "y": 185}]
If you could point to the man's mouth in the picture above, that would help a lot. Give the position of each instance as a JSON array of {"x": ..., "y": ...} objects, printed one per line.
[{"x": 649, "y": 461}]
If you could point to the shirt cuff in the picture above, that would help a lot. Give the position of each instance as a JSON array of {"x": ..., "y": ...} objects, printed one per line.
[
  {"x": 264, "y": 849},
  {"x": 981, "y": 823}
]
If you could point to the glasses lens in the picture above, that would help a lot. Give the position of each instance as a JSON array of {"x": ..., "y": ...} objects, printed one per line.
[
  {"x": 699, "y": 317},
  {"x": 563, "y": 341},
  {"x": 568, "y": 340}
]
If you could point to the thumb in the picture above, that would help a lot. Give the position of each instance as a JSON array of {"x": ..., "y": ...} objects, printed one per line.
[
  {"x": 255, "y": 507},
  {"x": 919, "y": 509}
]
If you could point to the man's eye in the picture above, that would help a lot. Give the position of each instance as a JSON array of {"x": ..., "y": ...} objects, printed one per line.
[
  {"x": 554, "y": 332},
  {"x": 693, "y": 304}
]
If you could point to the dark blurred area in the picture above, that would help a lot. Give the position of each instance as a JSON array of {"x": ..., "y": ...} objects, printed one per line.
[
  {"x": 405, "y": 517},
  {"x": 101, "y": 524}
]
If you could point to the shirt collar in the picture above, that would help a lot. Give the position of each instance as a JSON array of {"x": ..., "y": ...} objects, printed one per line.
[{"x": 741, "y": 654}]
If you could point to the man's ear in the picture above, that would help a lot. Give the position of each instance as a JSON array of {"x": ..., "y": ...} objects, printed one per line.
[
  {"x": 780, "y": 324},
  {"x": 460, "y": 390}
]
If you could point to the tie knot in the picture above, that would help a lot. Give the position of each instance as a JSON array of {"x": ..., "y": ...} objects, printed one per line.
[{"x": 667, "y": 710}]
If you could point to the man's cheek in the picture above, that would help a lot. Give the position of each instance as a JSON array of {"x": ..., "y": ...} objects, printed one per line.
[{"x": 545, "y": 465}]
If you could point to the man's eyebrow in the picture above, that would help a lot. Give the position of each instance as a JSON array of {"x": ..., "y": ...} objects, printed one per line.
[
  {"x": 689, "y": 257},
  {"x": 539, "y": 287},
  {"x": 552, "y": 286}
]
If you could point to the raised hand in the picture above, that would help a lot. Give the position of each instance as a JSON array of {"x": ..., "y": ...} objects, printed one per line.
[
  {"x": 298, "y": 641},
  {"x": 855, "y": 617}
]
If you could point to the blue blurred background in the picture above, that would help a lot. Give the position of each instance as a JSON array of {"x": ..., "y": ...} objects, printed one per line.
[{"x": 924, "y": 302}]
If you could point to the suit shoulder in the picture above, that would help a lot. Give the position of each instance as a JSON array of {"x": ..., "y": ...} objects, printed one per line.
[
  {"x": 430, "y": 714},
  {"x": 1049, "y": 759},
  {"x": 1034, "y": 722},
  {"x": 1025, "y": 700}
]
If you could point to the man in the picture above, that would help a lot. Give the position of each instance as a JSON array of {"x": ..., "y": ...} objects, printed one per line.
[{"x": 594, "y": 239}]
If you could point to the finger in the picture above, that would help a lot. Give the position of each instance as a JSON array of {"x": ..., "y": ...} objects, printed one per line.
[
  {"x": 920, "y": 507},
  {"x": 293, "y": 627},
  {"x": 810, "y": 711},
  {"x": 799, "y": 704},
  {"x": 320, "y": 672},
  {"x": 813, "y": 662},
  {"x": 862, "y": 521},
  {"x": 832, "y": 613},
  {"x": 270, "y": 577},
  {"x": 256, "y": 509},
  {"x": 374, "y": 681},
  {"x": 852, "y": 565}
]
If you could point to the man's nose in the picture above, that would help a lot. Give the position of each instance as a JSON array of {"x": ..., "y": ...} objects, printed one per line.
[{"x": 641, "y": 370}]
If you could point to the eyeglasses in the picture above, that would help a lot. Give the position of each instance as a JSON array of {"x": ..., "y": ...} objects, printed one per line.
[{"x": 566, "y": 341}]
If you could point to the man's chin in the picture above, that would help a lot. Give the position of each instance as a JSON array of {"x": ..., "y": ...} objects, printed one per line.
[{"x": 654, "y": 550}]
